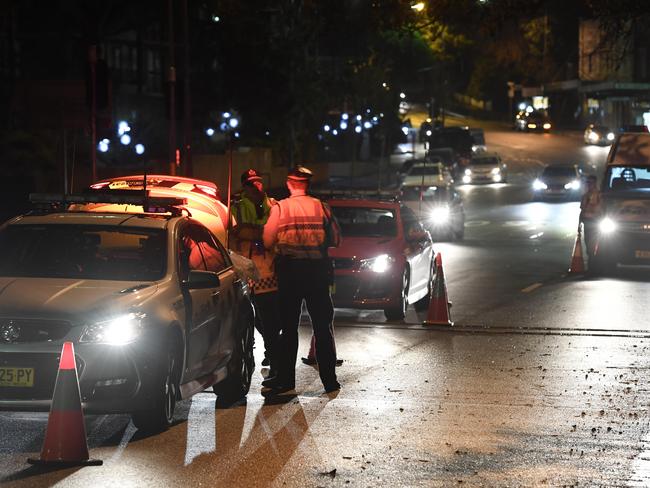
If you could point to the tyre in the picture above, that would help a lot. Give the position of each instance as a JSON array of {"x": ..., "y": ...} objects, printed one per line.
[
  {"x": 398, "y": 312},
  {"x": 159, "y": 417},
  {"x": 240, "y": 370}
]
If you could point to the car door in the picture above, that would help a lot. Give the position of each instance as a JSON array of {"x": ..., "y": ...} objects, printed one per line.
[
  {"x": 202, "y": 306},
  {"x": 218, "y": 261},
  {"x": 419, "y": 249}
]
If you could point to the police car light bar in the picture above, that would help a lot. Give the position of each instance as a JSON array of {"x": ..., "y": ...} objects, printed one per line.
[{"x": 59, "y": 201}]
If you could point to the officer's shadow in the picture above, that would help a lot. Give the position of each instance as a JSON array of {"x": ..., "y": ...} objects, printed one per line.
[{"x": 264, "y": 435}]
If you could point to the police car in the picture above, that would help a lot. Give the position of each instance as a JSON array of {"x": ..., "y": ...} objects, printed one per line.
[
  {"x": 624, "y": 230},
  {"x": 150, "y": 325}
]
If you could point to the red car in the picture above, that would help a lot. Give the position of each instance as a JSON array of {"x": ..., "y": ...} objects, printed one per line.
[{"x": 385, "y": 260}]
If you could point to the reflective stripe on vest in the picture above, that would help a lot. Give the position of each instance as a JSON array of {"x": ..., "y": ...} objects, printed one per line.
[{"x": 301, "y": 228}]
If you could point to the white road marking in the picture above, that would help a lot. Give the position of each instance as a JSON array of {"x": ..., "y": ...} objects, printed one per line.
[
  {"x": 201, "y": 437},
  {"x": 536, "y": 236},
  {"x": 532, "y": 287}
]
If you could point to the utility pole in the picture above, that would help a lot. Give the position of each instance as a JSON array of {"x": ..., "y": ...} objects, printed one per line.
[
  {"x": 187, "y": 127},
  {"x": 172, "y": 89},
  {"x": 92, "y": 60}
]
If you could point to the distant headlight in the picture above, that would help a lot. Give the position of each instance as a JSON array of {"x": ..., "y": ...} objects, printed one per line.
[
  {"x": 117, "y": 331},
  {"x": 547, "y": 126},
  {"x": 572, "y": 185},
  {"x": 539, "y": 185},
  {"x": 496, "y": 171},
  {"x": 607, "y": 225},
  {"x": 379, "y": 264},
  {"x": 439, "y": 215},
  {"x": 593, "y": 137},
  {"x": 611, "y": 136}
]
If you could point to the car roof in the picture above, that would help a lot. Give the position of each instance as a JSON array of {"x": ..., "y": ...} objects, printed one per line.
[{"x": 95, "y": 218}]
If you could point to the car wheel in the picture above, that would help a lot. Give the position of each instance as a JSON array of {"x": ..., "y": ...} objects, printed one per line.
[
  {"x": 161, "y": 415},
  {"x": 240, "y": 370},
  {"x": 423, "y": 303},
  {"x": 398, "y": 312}
]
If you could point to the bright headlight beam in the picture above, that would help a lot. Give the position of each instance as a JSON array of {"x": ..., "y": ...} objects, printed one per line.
[
  {"x": 440, "y": 214},
  {"x": 539, "y": 185},
  {"x": 607, "y": 225}
]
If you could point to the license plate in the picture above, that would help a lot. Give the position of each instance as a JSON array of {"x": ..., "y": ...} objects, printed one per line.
[
  {"x": 23, "y": 377},
  {"x": 642, "y": 254}
]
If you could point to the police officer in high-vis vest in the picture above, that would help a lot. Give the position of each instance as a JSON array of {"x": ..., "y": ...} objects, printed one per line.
[
  {"x": 251, "y": 211},
  {"x": 301, "y": 228}
]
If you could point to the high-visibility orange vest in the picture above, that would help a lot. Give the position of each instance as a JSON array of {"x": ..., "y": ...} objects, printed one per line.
[{"x": 301, "y": 228}]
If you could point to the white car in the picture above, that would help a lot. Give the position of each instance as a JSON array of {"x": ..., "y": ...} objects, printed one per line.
[
  {"x": 152, "y": 302},
  {"x": 427, "y": 173}
]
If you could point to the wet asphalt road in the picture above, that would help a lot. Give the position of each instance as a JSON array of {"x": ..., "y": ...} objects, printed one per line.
[{"x": 541, "y": 382}]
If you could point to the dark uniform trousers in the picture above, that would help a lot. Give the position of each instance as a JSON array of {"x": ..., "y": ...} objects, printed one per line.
[
  {"x": 268, "y": 309},
  {"x": 306, "y": 279}
]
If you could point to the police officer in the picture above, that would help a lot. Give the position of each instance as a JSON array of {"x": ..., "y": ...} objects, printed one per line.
[
  {"x": 251, "y": 212},
  {"x": 591, "y": 208},
  {"x": 301, "y": 228}
]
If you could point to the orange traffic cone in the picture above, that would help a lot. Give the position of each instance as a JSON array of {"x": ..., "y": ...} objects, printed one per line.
[
  {"x": 65, "y": 438},
  {"x": 311, "y": 355},
  {"x": 438, "y": 313},
  {"x": 577, "y": 261}
]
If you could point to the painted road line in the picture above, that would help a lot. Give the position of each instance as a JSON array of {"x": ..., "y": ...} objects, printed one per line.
[{"x": 532, "y": 287}]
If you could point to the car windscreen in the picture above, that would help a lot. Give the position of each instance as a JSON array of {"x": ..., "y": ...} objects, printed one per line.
[
  {"x": 559, "y": 171},
  {"x": 83, "y": 252},
  {"x": 433, "y": 169},
  {"x": 479, "y": 161},
  {"x": 365, "y": 221},
  {"x": 627, "y": 179}
]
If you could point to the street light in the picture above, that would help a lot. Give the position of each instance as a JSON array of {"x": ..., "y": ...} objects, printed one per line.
[{"x": 418, "y": 7}]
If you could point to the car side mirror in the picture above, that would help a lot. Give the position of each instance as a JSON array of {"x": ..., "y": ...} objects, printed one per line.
[{"x": 197, "y": 280}]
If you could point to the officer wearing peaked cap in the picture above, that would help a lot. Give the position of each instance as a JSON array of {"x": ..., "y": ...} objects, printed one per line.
[
  {"x": 301, "y": 228},
  {"x": 252, "y": 210}
]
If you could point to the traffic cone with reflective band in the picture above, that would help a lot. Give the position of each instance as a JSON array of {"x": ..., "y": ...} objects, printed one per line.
[
  {"x": 438, "y": 313},
  {"x": 65, "y": 437},
  {"x": 577, "y": 261}
]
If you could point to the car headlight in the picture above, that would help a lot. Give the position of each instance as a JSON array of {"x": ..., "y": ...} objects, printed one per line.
[
  {"x": 116, "y": 331},
  {"x": 572, "y": 185},
  {"x": 607, "y": 226},
  {"x": 547, "y": 126},
  {"x": 611, "y": 136},
  {"x": 532, "y": 126},
  {"x": 439, "y": 215},
  {"x": 379, "y": 264},
  {"x": 593, "y": 136},
  {"x": 468, "y": 172},
  {"x": 467, "y": 179},
  {"x": 496, "y": 171},
  {"x": 539, "y": 185}
]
